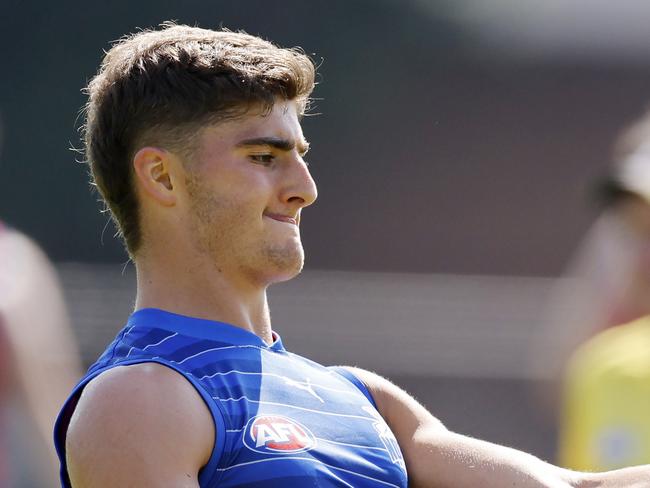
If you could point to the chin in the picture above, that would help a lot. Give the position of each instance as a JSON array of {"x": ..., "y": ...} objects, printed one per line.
[{"x": 285, "y": 264}]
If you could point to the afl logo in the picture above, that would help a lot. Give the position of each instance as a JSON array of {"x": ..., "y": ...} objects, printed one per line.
[{"x": 274, "y": 434}]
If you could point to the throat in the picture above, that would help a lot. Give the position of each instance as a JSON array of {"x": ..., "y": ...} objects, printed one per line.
[{"x": 216, "y": 299}]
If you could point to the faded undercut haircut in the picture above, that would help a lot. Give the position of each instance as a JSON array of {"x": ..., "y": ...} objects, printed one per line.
[{"x": 160, "y": 87}]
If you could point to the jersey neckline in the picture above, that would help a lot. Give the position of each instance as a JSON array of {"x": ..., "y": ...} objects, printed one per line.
[{"x": 201, "y": 328}]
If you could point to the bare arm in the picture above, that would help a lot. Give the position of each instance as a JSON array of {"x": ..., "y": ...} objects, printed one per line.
[
  {"x": 140, "y": 425},
  {"x": 42, "y": 344},
  {"x": 634, "y": 477},
  {"x": 438, "y": 458}
]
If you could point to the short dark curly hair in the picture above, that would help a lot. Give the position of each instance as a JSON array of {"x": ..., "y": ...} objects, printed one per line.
[{"x": 159, "y": 87}]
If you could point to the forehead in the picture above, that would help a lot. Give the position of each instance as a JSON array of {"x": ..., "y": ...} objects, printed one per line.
[{"x": 281, "y": 122}]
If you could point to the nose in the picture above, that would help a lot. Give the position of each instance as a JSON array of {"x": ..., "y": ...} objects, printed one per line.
[{"x": 300, "y": 189}]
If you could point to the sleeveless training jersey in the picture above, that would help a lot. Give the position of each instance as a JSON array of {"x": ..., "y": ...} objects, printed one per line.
[{"x": 281, "y": 420}]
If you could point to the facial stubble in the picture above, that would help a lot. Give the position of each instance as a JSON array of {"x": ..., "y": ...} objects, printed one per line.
[{"x": 222, "y": 229}]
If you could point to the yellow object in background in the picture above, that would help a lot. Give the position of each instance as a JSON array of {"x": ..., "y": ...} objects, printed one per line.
[{"x": 605, "y": 422}]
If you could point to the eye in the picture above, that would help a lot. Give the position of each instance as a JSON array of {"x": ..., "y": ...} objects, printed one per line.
[{"x": 263, "y": 159}]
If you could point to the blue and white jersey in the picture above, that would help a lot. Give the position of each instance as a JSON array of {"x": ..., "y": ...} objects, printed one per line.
[{"x": 281, "y": 420}]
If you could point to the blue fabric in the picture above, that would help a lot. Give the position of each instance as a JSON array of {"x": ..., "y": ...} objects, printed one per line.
[{"x": 281, "y": 419}]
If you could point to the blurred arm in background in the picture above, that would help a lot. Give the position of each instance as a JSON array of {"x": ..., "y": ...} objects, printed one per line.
[{"x": 42, "y": 349}]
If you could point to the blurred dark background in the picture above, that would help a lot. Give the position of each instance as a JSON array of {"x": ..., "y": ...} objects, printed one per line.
[{"x": 453, "y": 138}]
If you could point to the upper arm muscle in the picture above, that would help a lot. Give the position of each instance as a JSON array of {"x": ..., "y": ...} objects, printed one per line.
[
  {"x": 406, "y": 417},
  {"x": 437, "y": 457},
  {"x": 139, "y": 425},
  {"x": 402, "y": 412}
]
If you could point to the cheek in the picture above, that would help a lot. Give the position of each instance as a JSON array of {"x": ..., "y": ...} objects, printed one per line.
[
  {"x": 252, "y": 191},
  {"x": 243, "y": 194}
]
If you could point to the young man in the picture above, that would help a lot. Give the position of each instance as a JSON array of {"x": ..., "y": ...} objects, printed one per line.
[{"x": 194, "y": 141}]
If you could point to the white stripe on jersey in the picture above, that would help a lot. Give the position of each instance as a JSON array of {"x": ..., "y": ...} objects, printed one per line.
[
  {"x": 216, "y": 349},
  {"x": 234, "y": 431},
  {"x": 351, "y": 445},
  {"x": 127, "y": 332},
  {"x": 251, "y": 346},
  {"x": 234, "y": 371},
  {"x": 308, "y": 459},
  {"x": 262, "y": 402},
  {"x": 151, "y": 345}
]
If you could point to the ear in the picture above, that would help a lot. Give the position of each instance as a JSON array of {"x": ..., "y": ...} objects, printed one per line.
[{"x": 153, "y": 172}]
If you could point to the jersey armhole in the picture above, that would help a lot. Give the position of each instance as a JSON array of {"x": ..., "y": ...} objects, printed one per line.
[
  {"x": 207, "y": 473},
  {"x": 351, "y": 377}
]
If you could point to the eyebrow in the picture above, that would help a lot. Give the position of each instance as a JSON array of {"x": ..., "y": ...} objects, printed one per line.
[{"x": 275, "y": 142}]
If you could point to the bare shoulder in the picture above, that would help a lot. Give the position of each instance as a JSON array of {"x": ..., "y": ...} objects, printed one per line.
[
  {"x": 377, "y": 384},
  {"x": 145, "y": 418},
  {"x": 400, "y": 410},
  {"x": 389, "y": 397}
]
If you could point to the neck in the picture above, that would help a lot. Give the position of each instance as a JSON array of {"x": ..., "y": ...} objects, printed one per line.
[{"x": 204, "y": 292}]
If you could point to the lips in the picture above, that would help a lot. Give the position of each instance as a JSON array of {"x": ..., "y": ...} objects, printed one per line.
[{"x": 282, "y": 218}]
